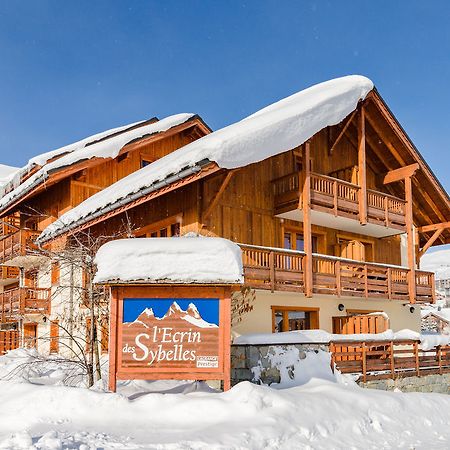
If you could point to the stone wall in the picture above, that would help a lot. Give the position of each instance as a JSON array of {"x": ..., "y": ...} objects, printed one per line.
[
  {"x": 262, "y": 364},
  {"x": 428, "y": 383},
  {"x": 260, "y": 358}
]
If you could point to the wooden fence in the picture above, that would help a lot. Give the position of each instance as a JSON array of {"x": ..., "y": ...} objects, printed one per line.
[
  {"x": 376, "y": 360},
  {"x": 9, "y": 340}
]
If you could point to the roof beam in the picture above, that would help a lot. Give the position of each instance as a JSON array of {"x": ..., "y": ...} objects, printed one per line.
[
  {"x": 401, "y": 173},
  {"x": 341, "y": 134},
  {"x": 430, "y": 242},
  {"x": 436, "y": 226},
  {"x": 218, "y": 194}
]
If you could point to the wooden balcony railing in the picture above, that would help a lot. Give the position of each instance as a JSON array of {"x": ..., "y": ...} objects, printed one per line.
[
  {"x": 340, "y": 198},
  {"x": 17, "y": 244},
  {"x": 19, "y": 301},
  {"x": 7, "y": 273},
  {"x": 283, "y": 270},
  {"x": 375, "y": 360}
]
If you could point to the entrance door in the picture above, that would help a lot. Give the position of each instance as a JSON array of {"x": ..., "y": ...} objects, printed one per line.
[{"x": 30, "y": 335}]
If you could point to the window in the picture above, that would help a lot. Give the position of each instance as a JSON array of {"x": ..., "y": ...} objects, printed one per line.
[
  {"x": 294, "y": 241},
  {"x": 54, "y": 336},
  {"x": 168, "y": 228},
  {"x": 55, "y": 273},
  {"x": 104, "y": 328},
  {"x": 286, "y": 318},
  {"x": 145, "y": 162}
]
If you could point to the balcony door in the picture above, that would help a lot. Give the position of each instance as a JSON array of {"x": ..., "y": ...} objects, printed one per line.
[
  {"x": 293, "y": 240},
  {"x": 30, "y": 335}
]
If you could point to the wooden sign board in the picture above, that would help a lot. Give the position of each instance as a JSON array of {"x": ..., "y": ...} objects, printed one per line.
[{"x": 170, "y": 332}]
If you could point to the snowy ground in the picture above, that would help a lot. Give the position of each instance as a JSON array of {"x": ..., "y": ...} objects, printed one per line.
[{"x": 320, "y": 414}]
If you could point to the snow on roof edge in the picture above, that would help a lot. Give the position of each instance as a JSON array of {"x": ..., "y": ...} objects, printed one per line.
[
  {"x": 275, "y": 129},
  {"x": 105, "y": 145}
]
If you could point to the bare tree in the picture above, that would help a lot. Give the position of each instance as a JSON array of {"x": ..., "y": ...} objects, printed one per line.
[{"x": 241, "y": 304}]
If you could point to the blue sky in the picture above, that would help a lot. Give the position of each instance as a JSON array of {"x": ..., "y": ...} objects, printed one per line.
[{"x": 70, "y": 69}]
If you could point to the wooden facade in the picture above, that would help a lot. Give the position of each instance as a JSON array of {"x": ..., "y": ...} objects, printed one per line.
[
  {"x": 324, "y": 218},
  {"x": 23, "y": 222}
]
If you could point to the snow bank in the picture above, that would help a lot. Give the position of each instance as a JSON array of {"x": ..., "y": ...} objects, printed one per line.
[
  {"x": 296, "y": 367},
  {"x": 438, "y": 262},
  {"x": 428, "y": 341},
  {"x": 188, "y": 259},
  {"x": 319, "y": 415},
  {"x": 79, "y": 151},
  {"x": 28, "y": 366},
  {"x": 275, "y": 129}
]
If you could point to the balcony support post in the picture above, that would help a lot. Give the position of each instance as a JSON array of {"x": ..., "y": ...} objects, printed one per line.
[
  {"x": 362, "y": 178},
  {"x": 306, "y": 205},
  {"x": 410, "y": 241}
]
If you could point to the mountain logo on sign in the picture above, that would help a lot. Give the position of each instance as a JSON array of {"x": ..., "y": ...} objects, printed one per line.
[{"x": 191, "y": 315}]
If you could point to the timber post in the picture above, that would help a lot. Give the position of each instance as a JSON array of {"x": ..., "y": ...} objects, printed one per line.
[
  {"x": 410, "y": 241},
  {"x": 362, "y": 177},
  {"x": 306, "y": 204}
]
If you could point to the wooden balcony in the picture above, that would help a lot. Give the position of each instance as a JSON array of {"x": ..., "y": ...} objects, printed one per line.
[
  {"x": 8, "y": 275},
  {"x": 19, "y": 301},
  {"x": 340, "y": 199},
  {"x": 283, "y": 270},
  {"x": 376, "y": 360},
  {"x": 16, "y": 247}
]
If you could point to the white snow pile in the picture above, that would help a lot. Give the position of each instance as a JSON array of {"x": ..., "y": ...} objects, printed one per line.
[
  {"x": 28, "y": 366},
  {"x": 427, "y": 341},
  {"x": 275, "y": 129},
  {"x": 295, "y": 366},
  {"x": 437, "y": 262},
  {"x": 188, "y": 259},
  {"x": 79, "y": 151},
  {"x": 319, "y": 415}
]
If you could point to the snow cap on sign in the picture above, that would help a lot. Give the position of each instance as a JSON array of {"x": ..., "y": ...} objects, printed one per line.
[{"x": 188, "y": 259}]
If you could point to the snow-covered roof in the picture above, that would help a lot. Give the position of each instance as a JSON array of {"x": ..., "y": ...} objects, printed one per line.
[
  {"x": 102, "y": 145},
  {"x": 275, "y": 129},
  {"x": 438, "y": 262},
  {"x": 188, "y": 259},
  {"x": 441, "y": 313},
  {"x": 7, "y": 174}
]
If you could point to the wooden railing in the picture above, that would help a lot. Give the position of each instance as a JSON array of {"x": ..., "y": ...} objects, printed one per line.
[
  {"x": 7, "y": 273},
  {"x": 17, "y": 244},
  {"x": 278, "y": 269},
  {"x": 388, "y": 359},
  {"x": 19, "y": 301},
  {"x": 386, "y": 208},
  {"x": 273, "y": 269},
  {"x": 340, "y": 198},
  {"x": 9, "y": 340}
]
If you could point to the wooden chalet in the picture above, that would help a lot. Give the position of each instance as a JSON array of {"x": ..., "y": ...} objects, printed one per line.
[
  {"x": 332, "y": 226},
  {"x": 28, "y": 207}
]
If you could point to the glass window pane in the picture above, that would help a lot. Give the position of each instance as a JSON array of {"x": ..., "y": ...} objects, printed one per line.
[
  {"x": 163, "y": 232},
  {"x": 175, "y": 229},
  {"x": 278, "y": 321},
  {"x": 287, "y": 240},
  {"x": 299, "y": 242}
]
